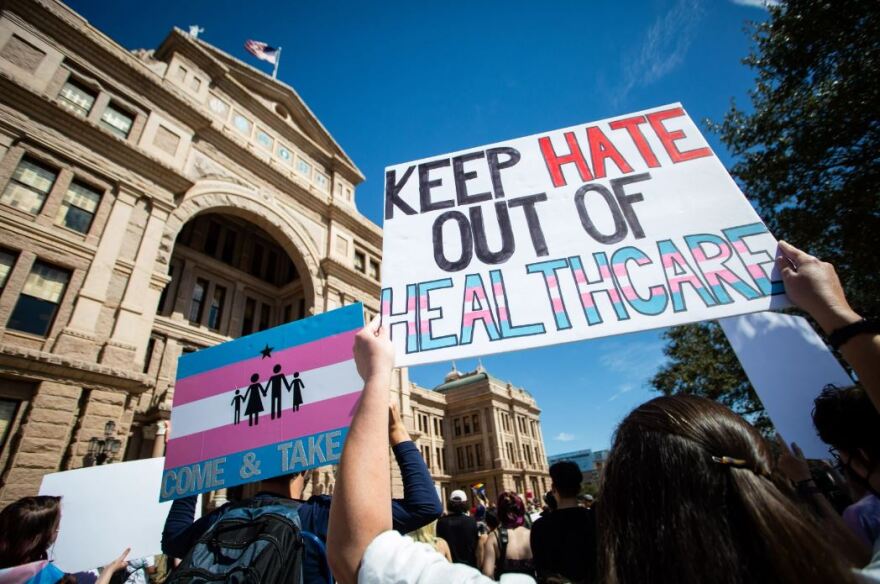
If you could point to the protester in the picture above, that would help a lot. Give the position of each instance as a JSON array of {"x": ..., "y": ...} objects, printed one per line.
[
  {"x": 491, "y": 524},
  {"x": 509, "y": 551},
  {"x": 428, "y": 534},
  {"x": 364, "y": 548},
  {"x": 689, "y": 495},
  {"x": 564, "y": 541},
  {"x": 814, "y": 287},
  {"x": 459, "y": 530},
  {"x": 28, "y": 527},
  {"x": 418, "y": 507}
]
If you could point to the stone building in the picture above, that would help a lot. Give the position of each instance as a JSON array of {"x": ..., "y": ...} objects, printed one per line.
[
  {"x": 474, "y": 428},
  {"x": 157, "y": 202}
]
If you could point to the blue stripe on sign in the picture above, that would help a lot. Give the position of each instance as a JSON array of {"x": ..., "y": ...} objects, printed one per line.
[
  {"x": 268, "y": 461},
  {"x": 281, "y": 337}
]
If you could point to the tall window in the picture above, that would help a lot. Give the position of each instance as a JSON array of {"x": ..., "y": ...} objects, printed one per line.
[
  {"x": 476, "y": 421},
  {"x": 8, "y": 409},
  {"x": 198, "y": 300},
  {"x": 247, "y": 322},
  {"x": 212, "y": 238},
  {"x": 478, "y": 453},
  {"x": 374, "y": 269},
  {"x": 229, "y": 242},
  {"x": 38, "y": 302},
  {"x": 29, "y": 187},
  {"x": 257, "y": 260},
  {"x": 470, "y": 456},
  {"x": 440, "y": 461},
  {"x": 457, "y": 425},
  {"x": 215, "y": 313},
  {"x": 78, "y": 208},
  {"x": 77, "y": 98},
  {"x": 265, "y": 316},
  {"x": 7, "y": 260},
  {"x": 459, "y": 454},
  {"x": 117, "y": 121},
  {"x": 467, "y": 425}
]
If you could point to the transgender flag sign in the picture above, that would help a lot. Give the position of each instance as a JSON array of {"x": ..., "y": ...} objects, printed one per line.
[{"x": 268, "y": 404}]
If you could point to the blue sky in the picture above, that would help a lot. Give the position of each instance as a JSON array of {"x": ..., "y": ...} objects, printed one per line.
[{"x": 396, "y": 81}]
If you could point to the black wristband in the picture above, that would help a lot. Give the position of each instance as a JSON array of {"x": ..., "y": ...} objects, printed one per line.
[{"x": 840, "y": 336}]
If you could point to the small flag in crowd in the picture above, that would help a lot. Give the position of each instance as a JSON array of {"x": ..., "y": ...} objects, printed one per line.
[{"x": 262, "y": 51}]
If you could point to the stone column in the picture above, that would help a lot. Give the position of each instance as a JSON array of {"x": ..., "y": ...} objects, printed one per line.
[
  {"x": 78, "y": 337},
  {"x": 159, "y": 441},
  {"x": 487, "y": 449},
  {"x": 134, "y": 321}
]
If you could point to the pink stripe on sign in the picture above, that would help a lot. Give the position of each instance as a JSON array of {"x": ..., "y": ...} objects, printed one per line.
[
  {"x": 698, "y": 254},
  {"x": 667, "y": 259},
  {"x": 327, "y": 351},
  {"x": 580, "y": 277},
  {"x": 498, "y": 288},
  {"x": 740, "y": 247},
  {"x": 426, "y": 327},
  {"x": 551, "y": 282},
  {"x": 410, "y": 304},
  {"x": 756, "y": 271},
  {"x": 587, "y": 300},
  {"x": 604, "y": 272},
  {"x": 310, "y": 419},
  {"x": 502, "y": 313},
  {"x": 386, "y": 308},
  {"x": 620, "y": 270},
  {"x": 558, "y": 306}
]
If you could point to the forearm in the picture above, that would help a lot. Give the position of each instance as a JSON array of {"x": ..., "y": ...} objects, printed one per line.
[
  {"x": 363, "y": 479},
  {"x": 420, "y": 504}
]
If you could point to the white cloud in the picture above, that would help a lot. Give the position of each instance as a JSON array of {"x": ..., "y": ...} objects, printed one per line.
[
  {"x": 625, "y": 388},
  {"x": 757, "y": 3},
  {"x": 663, "y": 49},
  {"x": 565, "y": 437}
]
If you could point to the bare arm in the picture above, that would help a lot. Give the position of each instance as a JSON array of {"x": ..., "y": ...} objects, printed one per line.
[
  {"x": 112, "y": 568},
  {"x": 814, "y": 287},
  {"x": 490, "y": 550},
  {"x": 365, "y": 460}
]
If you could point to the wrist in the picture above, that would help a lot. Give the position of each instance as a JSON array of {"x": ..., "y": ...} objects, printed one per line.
[
  {"x": 834, "y": 319},
  {"x": 397, "y": 435}
]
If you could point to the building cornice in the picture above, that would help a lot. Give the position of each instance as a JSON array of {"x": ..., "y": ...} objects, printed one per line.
[
  {"x": 121, "y": 152},
  {"x": 181, "y": 330},
  {"x": 332, "y": 267},
  {"x": 359, "y": 225},
  {"x": 17, "y": 361}
]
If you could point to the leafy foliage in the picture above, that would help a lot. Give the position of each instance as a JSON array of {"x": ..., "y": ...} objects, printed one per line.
[{"x": 809, "y": 160}]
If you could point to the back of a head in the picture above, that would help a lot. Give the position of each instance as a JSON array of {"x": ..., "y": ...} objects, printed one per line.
[
  {"x": 846, "y": 419},
  {"x": 566, "y": 476},
  {"x": 492, "y": 521},
  {"x": 426, "y": 533},
  {"x": 688, "y": 496},
  {"x": 511, "y": 510},
  {"x": 27, "y": 529}
]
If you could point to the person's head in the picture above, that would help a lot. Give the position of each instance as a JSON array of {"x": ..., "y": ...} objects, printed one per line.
[
  {"x": 296, "y": 374},
  {"x": 848, "y": 422},
  {"x": 277, "y": 368},
  {"x": 689, "y": 495},
  {"x": 27, "y": 528},
  {"x": 255, "y": 378},
  {"x": 566, "y": 479},
  {"x": 492, "y": 521},
  {"x": 457, "y": 502},
  {"x": 511, "y": 510},
  {"x": 237, "y": 392},
  {"x": 288, "y": 485},
  {"x": 426, "y": 533}
]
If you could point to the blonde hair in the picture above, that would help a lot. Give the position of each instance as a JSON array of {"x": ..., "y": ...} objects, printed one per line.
[{"x": 426, "y": 533}]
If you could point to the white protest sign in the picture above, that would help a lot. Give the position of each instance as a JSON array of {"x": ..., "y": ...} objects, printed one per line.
[
  {"x": 788, "y": 365},
  {"x": 105, "y": 509},
  {"x": 611, "y": 227}
]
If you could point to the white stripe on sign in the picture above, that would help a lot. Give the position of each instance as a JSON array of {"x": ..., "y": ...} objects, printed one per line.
[{"x": 218, "y": 410}]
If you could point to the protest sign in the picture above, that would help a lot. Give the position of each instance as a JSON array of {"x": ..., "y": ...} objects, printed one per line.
[
  {"x": 105, "y": 509},
  {"x": 271, "y": 403},
  {"x": 611, "y": 227},
  {"x": 788, "y": 364}
]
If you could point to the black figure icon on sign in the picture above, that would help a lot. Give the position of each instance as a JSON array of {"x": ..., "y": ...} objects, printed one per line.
[
  {"x": 298, "y": 386},
  {"x": 274, "y": 386},
  {"x": 254, "y": 401},
  {"x": 236, "y": 403}
]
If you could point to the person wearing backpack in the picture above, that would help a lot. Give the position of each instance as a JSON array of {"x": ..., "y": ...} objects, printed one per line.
[{"x": 282, "y": 496}]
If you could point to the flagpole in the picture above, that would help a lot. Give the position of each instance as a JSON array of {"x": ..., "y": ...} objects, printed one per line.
[{"x": 277, "y": 62}]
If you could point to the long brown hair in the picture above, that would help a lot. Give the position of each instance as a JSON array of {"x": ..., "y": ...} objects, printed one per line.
[
  {"x": 27, "y": 529},
  {"x": 689, "y": 495}
]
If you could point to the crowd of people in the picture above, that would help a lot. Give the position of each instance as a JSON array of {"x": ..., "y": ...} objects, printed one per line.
[{"x": 690, "y": 493}]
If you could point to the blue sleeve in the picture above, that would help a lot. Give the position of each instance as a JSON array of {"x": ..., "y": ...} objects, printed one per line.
[
  {"x": 181, "y": 532},
  {"x": 420, "y": 504}
]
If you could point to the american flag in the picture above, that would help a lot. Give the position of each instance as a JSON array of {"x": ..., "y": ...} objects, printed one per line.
[{"x": 262, "y": 51}]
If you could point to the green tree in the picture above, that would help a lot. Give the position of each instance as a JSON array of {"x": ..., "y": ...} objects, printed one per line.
[
  {"x": 808, "y": 157},
  {"x": 702, "y": 363}
]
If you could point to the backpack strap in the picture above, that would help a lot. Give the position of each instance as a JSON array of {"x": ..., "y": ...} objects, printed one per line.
[
  {"x": 501, "y": 563},
  {"x": 322, "y": 550}
]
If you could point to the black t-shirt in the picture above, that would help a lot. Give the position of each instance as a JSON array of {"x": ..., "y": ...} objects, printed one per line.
[
  {"x": 460, "y": 532},
  {"x": 564, "y": 542}
]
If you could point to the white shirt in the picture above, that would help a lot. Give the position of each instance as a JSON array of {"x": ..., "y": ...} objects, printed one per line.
[{"x": 393, "y": 558}]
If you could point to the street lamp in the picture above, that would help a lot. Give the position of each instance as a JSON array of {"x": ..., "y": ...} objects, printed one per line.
[{"x": 103, "y": 451}]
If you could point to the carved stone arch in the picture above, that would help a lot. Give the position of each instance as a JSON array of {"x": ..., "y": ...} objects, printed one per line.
[{"x": 222, "y": 196}]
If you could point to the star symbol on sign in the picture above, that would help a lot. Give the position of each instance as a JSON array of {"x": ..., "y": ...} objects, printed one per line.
[{"x": 267, "y": 352}]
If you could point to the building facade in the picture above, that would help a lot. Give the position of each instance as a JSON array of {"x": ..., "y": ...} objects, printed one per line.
[{"x": 153, "y": 203}]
